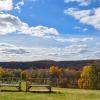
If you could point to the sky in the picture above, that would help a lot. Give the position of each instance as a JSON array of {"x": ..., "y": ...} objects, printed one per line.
[{"x": 49, "y": 30}]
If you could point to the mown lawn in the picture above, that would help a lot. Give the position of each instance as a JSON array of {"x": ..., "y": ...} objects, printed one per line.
[{"x": 60, "y": 94}]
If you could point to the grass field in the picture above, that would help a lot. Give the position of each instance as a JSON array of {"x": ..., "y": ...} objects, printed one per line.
[{"x": 59, "y": 94}]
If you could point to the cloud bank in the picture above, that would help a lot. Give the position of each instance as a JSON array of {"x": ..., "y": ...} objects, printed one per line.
[
  {"x": 12, "y": 24},
  {"x": 88, "y": 17}
]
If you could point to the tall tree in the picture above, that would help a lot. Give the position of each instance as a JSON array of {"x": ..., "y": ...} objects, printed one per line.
[{"x": 90, "y": 77}]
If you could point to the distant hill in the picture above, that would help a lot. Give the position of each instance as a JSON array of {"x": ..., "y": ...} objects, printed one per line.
[{"x": 47, "y": 63}]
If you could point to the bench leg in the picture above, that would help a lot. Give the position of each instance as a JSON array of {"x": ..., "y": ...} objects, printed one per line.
[
  {"x": 0, "y": 88},
  {"x": 49, "y": 89},
  {"x": 19, "y": 88},
  {"x": 27, "y": 89},
  {"x": 26, "y": 86}
]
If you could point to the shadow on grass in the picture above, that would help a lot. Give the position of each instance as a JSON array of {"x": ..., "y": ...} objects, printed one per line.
[
  {"x": 46, "y": 92},
  {"x": 10, "y": 91},
  {"x": 53, "y": 92}
]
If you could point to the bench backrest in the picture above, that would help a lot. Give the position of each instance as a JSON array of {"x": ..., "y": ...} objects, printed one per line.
[
  {"x": 10, "y": 80},
  {"x": 39, "y": 81}
]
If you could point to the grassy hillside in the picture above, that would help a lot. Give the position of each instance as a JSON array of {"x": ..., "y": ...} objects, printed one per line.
[{"x": 61, "y": 94}]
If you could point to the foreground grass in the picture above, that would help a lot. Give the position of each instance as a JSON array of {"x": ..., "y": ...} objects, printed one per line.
[
  {"x": 61, "y": 94},
  {"x": 66, "y": 94}
]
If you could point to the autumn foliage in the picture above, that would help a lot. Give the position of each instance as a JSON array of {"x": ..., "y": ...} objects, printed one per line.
[
  {"x": 89, "y": 77},
  {"x": 25, "y": 74},
  {"x": 56, "y": 71},
  {"x": 2, "y": 72}
]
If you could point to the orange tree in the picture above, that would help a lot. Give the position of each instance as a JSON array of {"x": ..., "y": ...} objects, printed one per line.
[{"x": 25, "y": 74}]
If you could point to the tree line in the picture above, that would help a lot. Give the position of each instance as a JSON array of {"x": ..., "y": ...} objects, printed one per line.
[{"x": 87, "y": 77}]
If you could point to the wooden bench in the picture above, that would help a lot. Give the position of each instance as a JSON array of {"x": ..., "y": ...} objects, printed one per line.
[
  {"x": 38, "y": 82},
  {"x": 10, "y": 82}
]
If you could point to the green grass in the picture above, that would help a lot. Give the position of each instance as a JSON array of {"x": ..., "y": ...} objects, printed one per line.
[{"x": 61, "y": 94}]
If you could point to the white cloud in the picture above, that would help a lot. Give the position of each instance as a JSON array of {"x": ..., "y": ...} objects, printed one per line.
[
  {"x": 6, "y": 5},
  {"x": 40, "y": 31},
  {"x": 10, "y": 49},
  {"x": 89, "y": 17},
  {"x": 10, "y": 52},
  {"x": 19, "y": 5},
  {"x": 75, "y": 40},
  {"x": 81, "y": 2},
  {"x": 11, "y": 24},
  {"x": 6, "y": 45}
]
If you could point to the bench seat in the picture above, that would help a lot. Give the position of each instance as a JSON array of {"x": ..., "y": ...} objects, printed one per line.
[
  {"x": 10, "y": 82},
  {"x": 33, "y": 85},
  {"x": 10, "y": 85},
  {"x": 39, "y": 85}
]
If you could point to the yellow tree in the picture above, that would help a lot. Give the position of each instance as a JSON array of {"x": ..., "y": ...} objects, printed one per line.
[
  {"x": 56, "y": 74},
  {"x": 53, "y": 69},
  {"x": 85, "y": 77},
  {"x": 60, "y": 72},
  {"x": 2, "y": 72},
  {"x": 86, "y": 70}
]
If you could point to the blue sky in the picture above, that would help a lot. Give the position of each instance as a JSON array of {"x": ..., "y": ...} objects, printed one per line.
[{"x": 49, "y": 29}]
